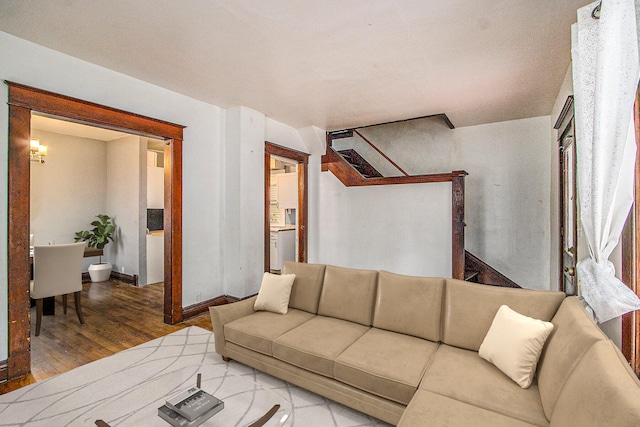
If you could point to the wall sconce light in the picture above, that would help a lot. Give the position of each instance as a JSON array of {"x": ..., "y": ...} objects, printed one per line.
[{"x": 37, "y": 151}]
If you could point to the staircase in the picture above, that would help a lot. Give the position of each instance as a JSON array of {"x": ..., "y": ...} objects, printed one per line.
[
  {"x": 353, "y": 170},
  {"x": 359, "y": 163},
  {"x": 478, "y": 271}
]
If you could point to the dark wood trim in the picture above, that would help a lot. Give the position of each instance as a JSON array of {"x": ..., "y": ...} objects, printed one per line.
[
  {"x": 628, "y": 275},
  {"x": 563, "y": 255},
  {"x": 359, "y": 163},
  {"x": 487, "y": 275},
  {"x": 267, "y": 211},
  {"x": 287, "y": 153},
  {"x": 129, "y": 279},
  {"x": 115, "y": 275},
  {"x": 457, "y": 224},
  {"x": 631, "y": 263},
  {"x": 22, "y": 101},
  {"x": 334, "y": 162},
  {"x": 19, "y": 328},
  {"x": 634, "y": 335},
  {"x": 303, "y": 211},
  {"x": 173, "y": 231},
  {"x": 80, "y": 111},
  {"x": 271, "y": 149},
  {"x": 560, "y": 216},
  {"x": 202, "y": 306}
]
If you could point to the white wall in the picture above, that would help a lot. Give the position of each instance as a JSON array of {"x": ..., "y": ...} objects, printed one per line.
[
  {"x": 68, "y": 189},
  {"x": 404, "y": 229},
  {"x": 244, "y": 193},
  {"x": 507, "y": 191},
  {"x": 203, "y": 174},
  {"x": 126, "y": 205}
]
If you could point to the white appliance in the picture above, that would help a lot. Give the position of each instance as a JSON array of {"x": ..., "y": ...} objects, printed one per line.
[{"x": 282, "y": 247}]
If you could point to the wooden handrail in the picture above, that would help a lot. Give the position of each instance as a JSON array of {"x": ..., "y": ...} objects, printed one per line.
[
  {"x": 335, "y": 163},
  {"x": 379, "y": 151},
  {"x": 487, "y": 275}
]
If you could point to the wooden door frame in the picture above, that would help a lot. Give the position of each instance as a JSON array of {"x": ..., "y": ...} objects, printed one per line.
[
  {"x": 22, "y": 101},
  {"x": 302, "y": 159},
  {"x": 631, "y": 262},
  {"x": 563, "y": 191},
  {"x": 563, "y": 123}
]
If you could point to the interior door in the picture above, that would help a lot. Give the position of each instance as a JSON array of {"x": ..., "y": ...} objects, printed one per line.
[{"x": 568, "y": 210}]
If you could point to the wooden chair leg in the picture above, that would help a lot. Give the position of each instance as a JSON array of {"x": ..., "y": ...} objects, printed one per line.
[
  {"x": 38, "y": 315},
  {"x": 64, "y": 303},
  {"x": 76, "y": 300}
]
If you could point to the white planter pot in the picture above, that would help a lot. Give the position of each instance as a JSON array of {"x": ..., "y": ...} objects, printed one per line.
[{"x": 100, "y": 272}]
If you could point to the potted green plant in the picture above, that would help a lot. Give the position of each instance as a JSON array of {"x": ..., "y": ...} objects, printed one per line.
[{"x": 98, "y": 237}]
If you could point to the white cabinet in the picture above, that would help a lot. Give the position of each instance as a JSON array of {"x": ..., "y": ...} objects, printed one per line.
[
  {"x": 155, "y": 258},
  {"x": 288, "y": 191},
  {"x": 282, "y": 247},
  {"x": 155, "y": 188},
  {"x": 273, "y": 251}
]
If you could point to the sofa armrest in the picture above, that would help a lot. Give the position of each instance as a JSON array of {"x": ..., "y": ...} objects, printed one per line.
[{"x": 223, "y": 314}]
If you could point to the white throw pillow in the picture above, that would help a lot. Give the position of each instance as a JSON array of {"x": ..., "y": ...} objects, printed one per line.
[
  {"x": 274, "y": 293},
  {"x": 514, "y": 343}
]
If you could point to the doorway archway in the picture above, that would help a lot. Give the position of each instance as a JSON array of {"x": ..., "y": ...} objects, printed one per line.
[
  {"x": 302, "y": 160},
  {"x": 22, "y": 101}
]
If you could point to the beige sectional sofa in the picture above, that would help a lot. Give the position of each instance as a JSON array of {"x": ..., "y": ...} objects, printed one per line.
[{"x": 405, "y": 350}]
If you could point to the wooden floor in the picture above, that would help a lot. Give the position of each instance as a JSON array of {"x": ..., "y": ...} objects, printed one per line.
[{"x": 117, "y": 316}]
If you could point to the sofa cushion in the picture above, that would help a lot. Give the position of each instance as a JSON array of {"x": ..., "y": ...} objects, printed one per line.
[
  {"x": 315, "y": 344},
  {"x": 573, "y": 334},
  {"x": 469, "y": 309},
  {"x": 348, "y": 294},
  {"x": 274, "y": 293},
  {"x": 429, "y": 409},
  {"x": 514, "y": 343},
  {"x": 385, "y": 363},
  {"x": 462, "y": 375},
  {"x": 601, "y": 391},
  {"x": 257, "y": 331},
  {"x": 305, "y": 293},
  {"x": 409, "y": 305}
]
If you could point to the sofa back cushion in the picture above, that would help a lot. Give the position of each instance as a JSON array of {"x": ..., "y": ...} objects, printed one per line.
[
  {"x": 601, "y": 391},
  {"x": 469, "y": 309},
  {"x": 573, "y": 334},
  {"x": 305, "y": 293},
  {"x": 348, "y": 294},
  {"x": 409, "y": 305}
]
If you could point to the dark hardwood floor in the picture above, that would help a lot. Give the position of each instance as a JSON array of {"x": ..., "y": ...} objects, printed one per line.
[{"x": 117, "y": 316}]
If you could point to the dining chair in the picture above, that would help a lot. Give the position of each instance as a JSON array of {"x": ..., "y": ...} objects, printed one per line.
[{"x": 57, "y": 270}]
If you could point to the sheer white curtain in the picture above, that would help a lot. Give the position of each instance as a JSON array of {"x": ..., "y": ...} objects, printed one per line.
[{"x": 605, "y": 75}]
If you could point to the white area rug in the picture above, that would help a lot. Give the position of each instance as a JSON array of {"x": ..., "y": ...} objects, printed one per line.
[{"x": 112, "y": 386}]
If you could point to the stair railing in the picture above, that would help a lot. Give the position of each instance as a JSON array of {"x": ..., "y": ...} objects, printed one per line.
[
  {"x": 335, "y": 163},
  {"x": 381, "y": 153}
]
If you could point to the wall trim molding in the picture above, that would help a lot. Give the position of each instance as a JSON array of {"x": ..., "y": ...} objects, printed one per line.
[
  {"x": 21, "y": 101},
  {"x": 4, "y": 371},
  {"x": 120, "y": 277},
  {"x": 202, "y": 306}
]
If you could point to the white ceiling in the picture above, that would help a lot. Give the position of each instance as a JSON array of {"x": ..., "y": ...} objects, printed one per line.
[
  {"x": 330, "y": 63},
  {"x": 65, "y": 127},
  {"x": 75, "y": 129}
]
